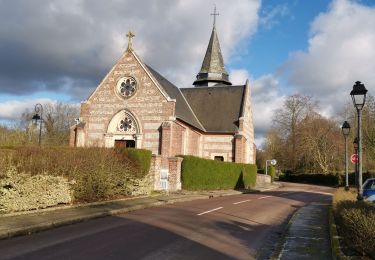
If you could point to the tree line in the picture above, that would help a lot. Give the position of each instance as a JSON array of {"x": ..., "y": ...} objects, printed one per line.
[
  {"x": 303, "y": 140},
  {"x": 57, "y": 120}
]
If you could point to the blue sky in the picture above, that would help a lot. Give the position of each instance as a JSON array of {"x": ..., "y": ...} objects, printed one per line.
[{"x": 60, "y": 50}]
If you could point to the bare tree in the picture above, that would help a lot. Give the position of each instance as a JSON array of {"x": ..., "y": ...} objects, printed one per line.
[
  {"x": 57, "y": 119},
  {"x": 286, "y": 120}
]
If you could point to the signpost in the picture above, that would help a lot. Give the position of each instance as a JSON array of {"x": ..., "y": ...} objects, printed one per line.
[{"x": 354, "y": 158}]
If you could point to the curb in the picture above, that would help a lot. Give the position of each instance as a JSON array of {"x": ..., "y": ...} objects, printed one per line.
[
  {"x": 335, "y": 242},
  {"x": 280, "y": 244}
]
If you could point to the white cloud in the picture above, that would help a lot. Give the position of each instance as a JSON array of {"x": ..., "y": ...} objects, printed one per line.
[
  {"x": 266, "y": 98},
  {"x": 239, "y": 76},
  {"x": 46, "y": 43},
  {"x": 341, "y": 51},
  {"x": 13, "y": 109}
]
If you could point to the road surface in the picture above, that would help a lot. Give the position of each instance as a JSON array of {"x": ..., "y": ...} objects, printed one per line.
[{"x": 243, "y": 226}]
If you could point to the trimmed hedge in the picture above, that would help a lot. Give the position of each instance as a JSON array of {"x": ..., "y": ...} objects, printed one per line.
[
  {"x": 141, "y": 157},
  {"x": 204, "y": 174},
  {"x": 331, "y": 179},
  {"x": 317, "y": 178}
]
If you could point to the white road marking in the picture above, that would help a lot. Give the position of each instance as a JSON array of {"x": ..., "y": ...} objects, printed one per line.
[
  {"x": 208, "y": 211},
  {"x": 264, "y": 197},
  {"x": 241, "y": 202}
]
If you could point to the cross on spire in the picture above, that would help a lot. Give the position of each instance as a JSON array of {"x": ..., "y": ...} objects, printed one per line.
[
  {"x": 130, "y": 36},
  {"x": 215, "y": 14}
]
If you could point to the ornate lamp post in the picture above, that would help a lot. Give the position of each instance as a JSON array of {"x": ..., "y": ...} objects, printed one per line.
[
  {"x": 345, "y": 131},
  {"x": 359, "y": 98},
  {"x": 38, "y": 109}
]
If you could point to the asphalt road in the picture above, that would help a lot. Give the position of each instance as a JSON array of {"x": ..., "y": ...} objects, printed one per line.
[{"x": 242, "y": 226}]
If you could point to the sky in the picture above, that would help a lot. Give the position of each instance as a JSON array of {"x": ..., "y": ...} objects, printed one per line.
[{"x": 55, "y": 50}]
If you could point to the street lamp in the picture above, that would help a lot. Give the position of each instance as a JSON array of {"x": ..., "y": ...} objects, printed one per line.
[
  {"x": 355, "y": 146},
  {"x": 75, "y": 131},
  {"x": 38, "y": 109},
  {"x": 359, "y": 98},
  {"x": 345, "y": 131}
]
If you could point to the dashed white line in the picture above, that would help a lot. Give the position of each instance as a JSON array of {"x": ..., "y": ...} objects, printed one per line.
[
  {"x": 239, "y": 202},
  {"x": 208, "y": 211},
  {"x": 264, "y": 197}
]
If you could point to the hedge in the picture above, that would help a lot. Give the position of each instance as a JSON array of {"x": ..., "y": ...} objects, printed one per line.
[
  {"x": 97, "y": 173},
  {"x": 330, "y": 179},
  {"x": 20, "y": 192},
  {"x": 204, "y": 174},
  {"x": 141, "y": 157},
  {"x": 355, "y": 221},
  {"x": 316, "y": 178}
]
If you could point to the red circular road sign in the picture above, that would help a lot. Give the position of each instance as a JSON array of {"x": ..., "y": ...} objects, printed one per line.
[{"x": 354, "y": 158}]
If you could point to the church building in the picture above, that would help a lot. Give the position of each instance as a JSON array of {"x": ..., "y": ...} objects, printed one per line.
[{"x": 135, "y": 106}]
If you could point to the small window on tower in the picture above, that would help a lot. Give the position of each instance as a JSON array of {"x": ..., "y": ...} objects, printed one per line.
[{"x": 219, "y": 158}]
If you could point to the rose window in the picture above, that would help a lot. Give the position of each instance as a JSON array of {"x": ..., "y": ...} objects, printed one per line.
[
  {"x": 126, "y": 125},
  {"x": 127, "y": 86}
]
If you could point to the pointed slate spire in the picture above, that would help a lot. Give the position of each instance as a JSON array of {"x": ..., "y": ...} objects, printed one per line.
[{"x": 212, "y": 70}]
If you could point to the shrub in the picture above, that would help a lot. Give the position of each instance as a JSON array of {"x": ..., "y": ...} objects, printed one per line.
[
  {"x": 24, "y": 192},
  {"x": 316, "y": 178},
  {"x": 141, "y": 157},
  {"x": 356, "y": 221},
  {"x": 203, "y": 174},
  {"x": 99, "y": 173},
  {"x": 272, "y": 172}
]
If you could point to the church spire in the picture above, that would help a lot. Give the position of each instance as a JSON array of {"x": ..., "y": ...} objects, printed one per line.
[{"x": 213, "y": 70}]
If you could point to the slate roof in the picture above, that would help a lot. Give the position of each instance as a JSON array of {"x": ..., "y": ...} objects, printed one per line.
[
  {"x": 210, "y": 109},
  {"x": 218, "y": 108},
  {"x": 213, "y": 69},
  {"x": 183, "y": 110}
]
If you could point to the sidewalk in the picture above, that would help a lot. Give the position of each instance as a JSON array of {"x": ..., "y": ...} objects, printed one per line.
[
  {"x": 307, "y": 236},
  {"x": 29, "y": 222}
]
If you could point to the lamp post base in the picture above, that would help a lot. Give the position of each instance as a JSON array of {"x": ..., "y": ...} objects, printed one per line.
[
  {"x": 346, "y": 188},
  {"x": 359, "y": 197}
]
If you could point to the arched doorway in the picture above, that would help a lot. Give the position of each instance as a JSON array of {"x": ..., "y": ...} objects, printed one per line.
[{"x": 123, "y": 131}]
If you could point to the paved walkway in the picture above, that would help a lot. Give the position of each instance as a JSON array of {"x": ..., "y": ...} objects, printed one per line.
[
  {"x": 308, "y": 234},
  {"x": 30, "y": 222}
]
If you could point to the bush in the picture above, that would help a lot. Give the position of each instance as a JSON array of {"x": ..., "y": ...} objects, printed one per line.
[
  {"x": 24, "y": 192},
  {"x": 99, "y": 173},
  {"x": 141, "y": 157},
  {"x": 356, "y": 221},
  {"x": 272, "y": 172},
  {"x": 203, "y": 174},
  {"x": 317, "y": 178}
]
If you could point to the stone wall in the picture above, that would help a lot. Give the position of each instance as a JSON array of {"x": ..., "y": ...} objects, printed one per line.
[{"x": 263, "y": 179}]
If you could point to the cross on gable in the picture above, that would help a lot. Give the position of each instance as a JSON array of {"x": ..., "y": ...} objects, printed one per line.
[
  {"x": 215, "y": 14},
  {"x": 130, "y": 36}
]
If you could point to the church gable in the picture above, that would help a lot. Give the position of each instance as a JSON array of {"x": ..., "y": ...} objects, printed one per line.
[{"x": 129, "y": 86}]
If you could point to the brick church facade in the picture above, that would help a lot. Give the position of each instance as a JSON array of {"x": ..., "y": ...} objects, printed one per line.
[{"x": 135, "y": 106}]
